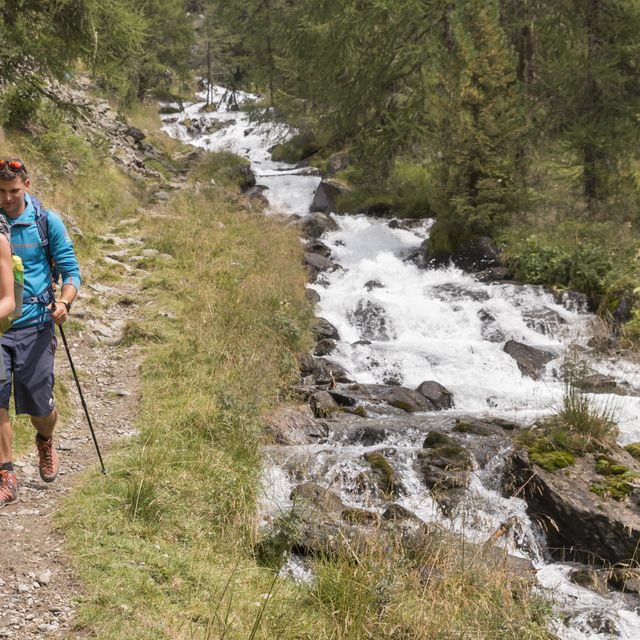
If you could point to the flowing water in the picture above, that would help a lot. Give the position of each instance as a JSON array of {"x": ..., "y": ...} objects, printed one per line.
[{"x": 402, "y": 323}]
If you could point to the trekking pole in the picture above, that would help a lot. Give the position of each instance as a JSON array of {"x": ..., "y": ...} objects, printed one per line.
[{"x": 84, "y": 404}]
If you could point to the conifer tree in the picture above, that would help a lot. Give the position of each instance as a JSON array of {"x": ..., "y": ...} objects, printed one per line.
[
  {"x": 361, "y": 65},
  {"x": 590, "y": 77},
  {"x": 166, "y": 48},
  {"x": 477, "y": 122}
]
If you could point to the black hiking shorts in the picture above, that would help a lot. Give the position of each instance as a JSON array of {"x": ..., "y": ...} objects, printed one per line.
[{"x": 28, "y": 355}]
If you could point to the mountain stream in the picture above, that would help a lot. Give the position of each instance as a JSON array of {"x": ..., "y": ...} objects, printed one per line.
[{"x": 403, "y": 323}]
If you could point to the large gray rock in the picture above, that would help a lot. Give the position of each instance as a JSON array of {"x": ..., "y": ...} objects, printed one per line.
[
  {"x": 317, "y": 246},
  {"x": 577, "y": 521},
  {"x": 494, "y": 274},
  {"x": 531, "y": 360},
  {"x": 318, "y": 262},
  {"x": 543, "y": 320},
  {"x": 322, "y": 371},
  {"x": 439, "y": 396},
  {"x": 323, "y": 404},
  {"x": 316, "y": 224},
  {"x": 407, "y": 400},
  {"x": 323, "y": 329},
  {"x": 290, "y": 425},
  {"x": 326, "y": 194},
  {"x": 386, "y": 478},
  {"x": 313, "y": 296},
  {"x": 573, "y": 301},
  {"x": 445, "y": 470},
  {"x": 325, "y": 347},
  {"x": 490, "y": 328}
]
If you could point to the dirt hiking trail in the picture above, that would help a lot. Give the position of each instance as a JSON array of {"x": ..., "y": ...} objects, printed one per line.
[{"x": 38, "y": 589}]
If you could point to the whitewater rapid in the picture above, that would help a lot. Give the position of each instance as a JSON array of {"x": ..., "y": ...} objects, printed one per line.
[{"x": 403, "y": 323}]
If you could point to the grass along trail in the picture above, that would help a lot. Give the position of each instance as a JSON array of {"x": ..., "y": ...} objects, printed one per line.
[{"x": 38, "y": 589}]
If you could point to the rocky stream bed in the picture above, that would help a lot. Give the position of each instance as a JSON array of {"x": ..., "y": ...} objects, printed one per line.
[{"x": 424, "y": 376}]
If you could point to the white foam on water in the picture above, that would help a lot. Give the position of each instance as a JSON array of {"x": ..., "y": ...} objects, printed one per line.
[
  {"x": 286, "y": 192},
  {"x": 433, "y": 323}
]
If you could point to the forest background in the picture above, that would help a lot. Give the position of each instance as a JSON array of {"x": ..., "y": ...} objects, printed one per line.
[{"x": 514, "y": 119}]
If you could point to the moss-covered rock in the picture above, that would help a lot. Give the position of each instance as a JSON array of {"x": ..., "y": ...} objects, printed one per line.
[
  {"x": 618, "y": 481},
  {"x": 549, "y": 450},
  {"x": 464, "y": 426},
  {"x": 553, "y": 460},
  {"x": 386, "y": 478},
  {"x": 435, "y": 439}
]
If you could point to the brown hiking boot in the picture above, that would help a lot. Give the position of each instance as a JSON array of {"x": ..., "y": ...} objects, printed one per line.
[
  {"x": 8, "y": 488},
  {"x": 49, "y": 463}
]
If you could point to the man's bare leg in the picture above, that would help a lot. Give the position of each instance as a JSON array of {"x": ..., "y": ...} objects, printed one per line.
[
  {"x": 6, "y": 437},
  {"x": 45, "y": 424},
  {"x": 8, "y": 480}
]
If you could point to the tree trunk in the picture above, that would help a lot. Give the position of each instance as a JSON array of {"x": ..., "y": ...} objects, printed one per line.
[
  {"x": 209, "y": 78},
  {"x": 593, "y": 157}
]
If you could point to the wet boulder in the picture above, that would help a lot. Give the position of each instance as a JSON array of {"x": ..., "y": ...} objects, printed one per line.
[
  {"x": 598, "y": 383},
  {"x": 625, "y": 579},
  {"x": 473, "y": 255},
  {"x": 315, "y": 225},
  {"x": 530, "y": 360},
  {"x": 343, "y": 399},
  {"x": 494, "y": 274},
  {"x": 289, "y": 425},
  {"x": 490, "y": 329},
  {"x": 439, "y": 396},
  {"x": 385, "y": 477},
  {"x": 484, "y": 439},
  {"x": 316, "y": 264},
  {"x": 578, "y": 508},
  {"x": 445, "y": 471},
  {"x": 543, "y": 320},
  {"x": 322, "y": 404},
  {"x": 247, "y": 178},
  {"x": 573, "y": 301},
  {"x": 322, "y": 498},
  {"x": 397, "y": 512},
  {"x": 373, "y": 284},
  {"x": 312, "y": 296},
  {"x": 326, "y": 195},
  {"x": 452, "y": 291},
  {"x": 317, "y": 246},
  {"x": 323, "y": 329},
  {"x": 416, "y": 255},
  {"x": 325, "y": 347},
  {"x": 321, "y": 371},
  {"x": 407, "y": 400}
]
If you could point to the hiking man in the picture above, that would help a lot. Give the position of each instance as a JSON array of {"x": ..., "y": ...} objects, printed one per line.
[{"x": 39, "y": 238}]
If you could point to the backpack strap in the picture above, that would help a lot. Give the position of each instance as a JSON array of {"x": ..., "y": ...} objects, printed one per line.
[{"x": 42, "y": 224}]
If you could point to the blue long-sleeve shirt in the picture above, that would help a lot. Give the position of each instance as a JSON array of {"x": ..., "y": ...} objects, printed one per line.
[{"x": 25, "y": 242}]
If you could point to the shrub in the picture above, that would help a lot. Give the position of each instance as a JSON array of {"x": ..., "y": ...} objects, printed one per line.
[
  {"x": 580, "y": 265},
  {"x": 20, "y": 104},
  {"x": 592, "y": 424}
]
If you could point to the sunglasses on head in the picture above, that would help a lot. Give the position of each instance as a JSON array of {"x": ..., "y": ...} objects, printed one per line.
[{"x": 16, "y": 166}]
